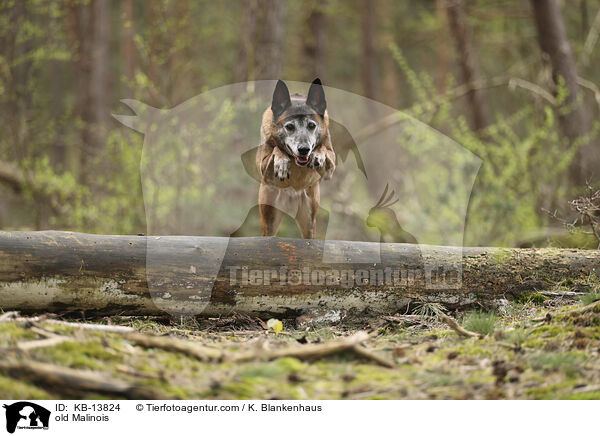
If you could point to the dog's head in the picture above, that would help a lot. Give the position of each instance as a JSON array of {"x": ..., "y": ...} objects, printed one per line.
[{"x": 299, "y": 122}]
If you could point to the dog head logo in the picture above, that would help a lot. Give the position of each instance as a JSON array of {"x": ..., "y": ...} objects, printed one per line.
[
  {"x": 199, "y": 177},
  {"x": 26, "y": 415}
]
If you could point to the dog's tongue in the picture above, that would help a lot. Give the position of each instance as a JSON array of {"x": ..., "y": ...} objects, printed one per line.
[{"x": 302, "y": 159}]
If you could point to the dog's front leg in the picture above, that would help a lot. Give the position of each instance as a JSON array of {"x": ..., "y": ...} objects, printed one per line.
[
  {"x": 323, "y": 160},
  {"x": 306, "y": 218},
  {"x": 281, "y": 164}
]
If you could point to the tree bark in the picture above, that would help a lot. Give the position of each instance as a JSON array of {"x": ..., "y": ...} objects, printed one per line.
[
  {"x": 269, "y": 48},
  {"x": 64, "y": 271},
  {"x": 99, "y": 78},
  {"x": 88, "y": 34},
  {"x": 368, "y": 61},
  {"x": 469, "y": 63},
  {"x": 244, "y": 70},
  {"x": 572, "y": 118},
  {"x": 128, "y": 50},
  {"x": 314, "y": 39}
]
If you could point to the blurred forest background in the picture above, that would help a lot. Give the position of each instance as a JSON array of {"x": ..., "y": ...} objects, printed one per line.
[{"x": 513, "y": 81}]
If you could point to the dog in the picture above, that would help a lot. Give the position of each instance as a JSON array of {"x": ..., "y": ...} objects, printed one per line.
[{"x": 294, "y": 155}]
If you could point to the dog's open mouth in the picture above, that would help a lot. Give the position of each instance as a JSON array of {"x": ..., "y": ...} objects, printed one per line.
[{"x": 301, "y": 160}]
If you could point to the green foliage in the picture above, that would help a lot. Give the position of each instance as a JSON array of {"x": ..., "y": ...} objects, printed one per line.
[
  {"x": 534, "y": 298},
  {"x": 524, "y": 167},
  {"x": 480, "y": 322},
  {"x": 591, "y": 296},
  {"x": 183, "y": 48},
  {"x": 568, "y": 362}
]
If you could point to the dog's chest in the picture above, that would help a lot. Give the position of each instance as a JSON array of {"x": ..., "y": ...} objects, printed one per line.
[
  {"x": 289, "y": 198},
  {"x": 300, "y": 179}
]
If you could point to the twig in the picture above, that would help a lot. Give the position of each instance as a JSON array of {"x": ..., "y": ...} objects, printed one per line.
[
  {"x": 58, "y": 378},
  {"x": 303, "y": 352},
  {"x": 192, "y": 349},
  {"x": 583, "y": 389},
  {"x": 8, "y": 315},
  {"x": 363, "y": 352},
  {"x": 545, "y": 318},
  {"x": 591, "y": 39},
  {"x": 581, "y": 310},
  {"x": 12, "y": 317},
  {"x": 40, "y": 343},
  {"x": 51, "y": 339},
  {"x": 409, "y": 319},
  {"x": 578, "y": 310},
  {"x": 591, "y": 86},
  {"x": 457, "y": 328},
  {"x": 536, "y": 89},
  {"x": 134, "y": 373}
]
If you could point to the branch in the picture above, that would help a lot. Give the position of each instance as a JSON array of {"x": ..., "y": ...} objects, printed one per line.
[
  {"x": 57, "y": 378},
  {"x": 13, "y": 317},
  {"x": 457, "y": 328},
  {"x": 591, "y": 86},
  {"x": 591, "y": 39},
  {"x": 12, "y": 176},
  {"x": 191, "y": 349}
]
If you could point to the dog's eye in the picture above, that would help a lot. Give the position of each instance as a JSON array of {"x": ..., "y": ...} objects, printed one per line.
[
  {"x": 290, "y": 127},
  {"x": 312, "y": 125}
]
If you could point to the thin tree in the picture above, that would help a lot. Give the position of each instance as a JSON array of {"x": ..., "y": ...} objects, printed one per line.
[
  {"x": 572, "y": 118},
  {"x": 315, "y": 38},
  {"x": 368, "y": 60},
  {"x": 269, "y": 50},
  {"x": 469, "y": 63},
  {"x": 128, "y": 51}
]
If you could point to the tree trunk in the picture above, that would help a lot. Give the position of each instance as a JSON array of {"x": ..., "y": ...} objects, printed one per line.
[
  {"x": 269, "y": 48},
  {"x": 128, "y": 50},
  {"x": 314, "y": 39},
  {"x": 469, "y": 63},
  {"x": 244, "y": 70},
  {"x": 64, "y": 271},
  {"x": 571, "y": 112},
  {"x": 99, "y": 77},
  {"x": 368, "y": 60}
]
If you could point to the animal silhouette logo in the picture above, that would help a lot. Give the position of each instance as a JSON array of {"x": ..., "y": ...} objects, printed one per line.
[
  {"x": 194, "y": 183},
  {"x": 26, "y": 415},
  {"x": 383, "y": 217}
]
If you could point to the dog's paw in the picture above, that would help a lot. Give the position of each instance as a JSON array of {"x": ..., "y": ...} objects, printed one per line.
[
  {"x": 282, "y": 167},
  {"x": 317, "y": 160}
]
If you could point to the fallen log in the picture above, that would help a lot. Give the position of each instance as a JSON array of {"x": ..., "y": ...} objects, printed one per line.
[{"x": 110, "y": 275}]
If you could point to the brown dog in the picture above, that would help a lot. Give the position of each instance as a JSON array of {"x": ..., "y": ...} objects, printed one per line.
[{"x": 294, "y": 155}]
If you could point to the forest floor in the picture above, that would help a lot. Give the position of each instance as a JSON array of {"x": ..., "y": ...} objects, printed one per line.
[{"x": 541, "y": 348}]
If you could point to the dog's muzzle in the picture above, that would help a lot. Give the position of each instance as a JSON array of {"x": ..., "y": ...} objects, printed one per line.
[{"x": 303, "y": 155}]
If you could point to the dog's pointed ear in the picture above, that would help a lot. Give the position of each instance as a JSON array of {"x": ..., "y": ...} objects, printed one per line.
[
  {"x": 281, "y": 99},
  {"x": 316, "y": 97}
]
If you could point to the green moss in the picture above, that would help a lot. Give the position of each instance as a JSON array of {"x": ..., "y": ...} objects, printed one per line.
[
  {"x": 549, "y": 392},
  {"x": 570, "y": 363},
  {"x": 444, "y": 366},
  {"x": 290, "y": 364},
  {"x": 553, "y": 330},
  {"x": 12, "y": 332},
  {"x": 92, "y": 354},
  {"x": 244, "y": 389},
  {"x": 533, "y": 298},
  {"x": 595, "y": 395},
  {"x": 11, "y": 389}
]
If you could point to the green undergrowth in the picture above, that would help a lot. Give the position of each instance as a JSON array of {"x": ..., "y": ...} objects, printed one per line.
[{"x": 519, "y": 357}]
